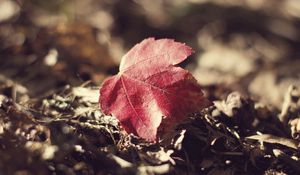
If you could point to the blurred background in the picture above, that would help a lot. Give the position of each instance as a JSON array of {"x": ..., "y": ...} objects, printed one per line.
[{"x": 247, "y": 45}]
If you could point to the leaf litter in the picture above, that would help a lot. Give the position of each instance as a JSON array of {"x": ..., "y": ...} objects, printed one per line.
[
  {"x": 65, "y": 139},
  {"x": 51, "y": 124}
]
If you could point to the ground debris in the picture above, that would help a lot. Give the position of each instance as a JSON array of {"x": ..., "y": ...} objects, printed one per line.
[
  {"x": 66, "y": 132},
  {"x": 54, "y": 56}
]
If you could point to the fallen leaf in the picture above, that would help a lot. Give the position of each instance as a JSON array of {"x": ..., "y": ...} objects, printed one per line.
[
  {"x": 76, "y": 44},
  {"x": 268, "y": 138},
  {"x": 149, "y": 86}
]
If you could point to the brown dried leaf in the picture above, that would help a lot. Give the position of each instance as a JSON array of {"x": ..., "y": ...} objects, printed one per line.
[{"x": 268, "y": 138}]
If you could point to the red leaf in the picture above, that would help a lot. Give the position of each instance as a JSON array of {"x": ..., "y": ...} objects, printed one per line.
[{"x": 149, "y": 87}]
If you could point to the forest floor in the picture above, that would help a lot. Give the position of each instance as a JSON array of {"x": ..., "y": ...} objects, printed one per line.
[{"x": 52, "y": 66}]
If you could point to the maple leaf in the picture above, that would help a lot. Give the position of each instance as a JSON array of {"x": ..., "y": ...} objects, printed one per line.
[{"x": 149, "y": 86}]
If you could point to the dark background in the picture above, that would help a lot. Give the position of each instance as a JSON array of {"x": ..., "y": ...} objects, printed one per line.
[{"x": 251, "y": 46}]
